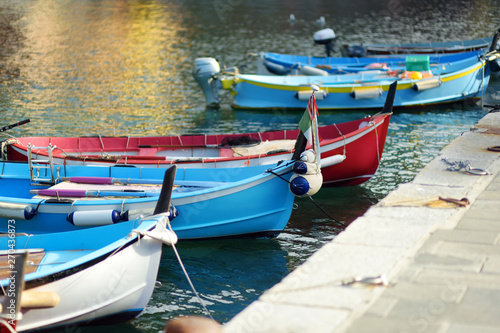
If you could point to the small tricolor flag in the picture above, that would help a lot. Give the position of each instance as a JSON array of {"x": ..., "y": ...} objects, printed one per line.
[{"x": 308, "y": 125}]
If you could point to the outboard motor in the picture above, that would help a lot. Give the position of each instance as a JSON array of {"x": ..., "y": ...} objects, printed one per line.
[
  {"x": 356, "y": 51},
  {"x": 495, "y": 64},
  {"x": 206, "y": 71},
  {"x": 325, "y": 37}
]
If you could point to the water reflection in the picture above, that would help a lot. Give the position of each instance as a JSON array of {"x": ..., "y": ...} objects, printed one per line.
[
  {"x": 227, "y": 274},
  {"x": 124, "y": 66}
]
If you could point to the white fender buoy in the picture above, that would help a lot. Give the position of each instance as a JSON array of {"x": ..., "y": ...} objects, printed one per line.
[
  {"x": 82, "y": 218},
  {"x": 427, "y": 84},
  {"x": 308, "y": 70},
  {"x": 332, "y": 160},
  {"x": 307, "y": 178},
  {"x": 305, "y": 185},
  {"x": 305, "y": 168},
  {"x": 17, "y": 211},
  {"x": 366, "y": 93},
  {"x": 308, "y": 156}
]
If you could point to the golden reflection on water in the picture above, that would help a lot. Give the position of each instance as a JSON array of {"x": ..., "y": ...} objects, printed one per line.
[{"x": 99, "y": 66}]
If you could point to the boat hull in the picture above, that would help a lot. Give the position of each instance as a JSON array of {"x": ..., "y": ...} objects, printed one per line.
[
  {"x": 344, "y": 65},
  {"x": 244, "y": 201},
  {"x": 114, "y": 283},
  {"x": 363, "y": 139},
  {"x": 280, "y": 92}
]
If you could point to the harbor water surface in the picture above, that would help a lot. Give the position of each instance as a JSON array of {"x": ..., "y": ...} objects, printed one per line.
[{"x": 106, "y": 67}]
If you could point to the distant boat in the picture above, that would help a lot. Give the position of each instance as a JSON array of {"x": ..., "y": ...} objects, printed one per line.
[
  {"x": 419, "y": 86},
  {"x": 86, "y": 277},
  {"x": 449, "y": 47},
  {"x": 291, "y": 64}
]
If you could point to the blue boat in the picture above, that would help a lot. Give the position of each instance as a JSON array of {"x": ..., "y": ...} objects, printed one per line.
[
  {"x": 420, "y": 85},
  {"x": 89, "y": 276},
  {"x": 448, "y": 47},
  {"x": 212, "y": 203},
  {"x": 288, "y": 64}
]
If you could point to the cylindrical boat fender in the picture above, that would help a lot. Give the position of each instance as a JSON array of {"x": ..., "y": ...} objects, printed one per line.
[
  {"x": 275, "y": 68},
  {"x": 17, "y": 211},
  {"x": 305, "y": 168},
  {"x": 332, "y": 160},
  {"x": 308, "y": 70},
  {"x": 304, "y": 95},
  {"x": 308, "y": 156},
  {"x": 83, "y": 218},
  {"x": 366, "y": 93},
  {"x": 305, "y": 185},
  {"x": 426, "y": 84}
]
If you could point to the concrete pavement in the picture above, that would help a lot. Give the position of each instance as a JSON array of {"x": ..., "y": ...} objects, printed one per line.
[{"x": 424, "y": 259}]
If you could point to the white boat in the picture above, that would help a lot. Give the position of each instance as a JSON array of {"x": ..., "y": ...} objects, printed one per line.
[
  {"x": 97, "y": 275},
  {"x": 100, "y": 274}
]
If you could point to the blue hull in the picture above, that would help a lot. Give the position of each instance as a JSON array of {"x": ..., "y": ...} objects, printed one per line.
[
  {"x": 464, "y": 80},
  {"x": 240, "y": 202},
  {"x": 342, "y": 65}
]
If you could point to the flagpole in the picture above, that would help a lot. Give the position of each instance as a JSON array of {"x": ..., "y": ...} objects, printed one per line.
[{"x": 315, "y": 126}]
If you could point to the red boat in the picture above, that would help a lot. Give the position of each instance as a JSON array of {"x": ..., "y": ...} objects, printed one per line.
[{"x": 350, "y": 151}]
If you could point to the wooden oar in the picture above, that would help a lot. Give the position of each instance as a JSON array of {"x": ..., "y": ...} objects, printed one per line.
[
  {"x": 8, "y": 127},
  {"x": 163, "y": 204}
]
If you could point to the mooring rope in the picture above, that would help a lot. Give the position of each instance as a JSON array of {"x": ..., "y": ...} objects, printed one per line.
[{"x": 187, "y": 275}]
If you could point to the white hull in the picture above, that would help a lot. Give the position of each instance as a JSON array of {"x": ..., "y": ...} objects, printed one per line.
[{"x": 121, "y": 284}]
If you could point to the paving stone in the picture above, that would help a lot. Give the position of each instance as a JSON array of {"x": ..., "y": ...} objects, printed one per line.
[
  {"x": 400, "y": 234},
  {"x": 423, "y": 312},
  {"x": 336, "y": 262},
  {"x": 484, "y": 209},
  {"x": 435, "y": 276},
  {"x": 407, "y": 274},
  {"x": 375, "y": 324},
  {"x": 261, "y": 317},
  {"x": 478, "y": 306},
  {"x": 489, "y": 195},
  {"x": 459, "y": 328},
  {"x": 333, "y": 296},
  {"x": 469, "y": 250},
  {"x": 382, "y": 306},
  {"x": 448, "y": 293},
  {"x": 448, "y": 262},
  {"x": 465, "y": 236},
  {"x": 492, "y": 224},
  {"x": 492, "y": 266}
]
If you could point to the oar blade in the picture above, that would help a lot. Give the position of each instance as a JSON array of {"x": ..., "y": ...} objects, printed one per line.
[
  {"x": 389, "y": 101},
  {"x": 163, "y": 204},
  {"x": 8, "y": 127}
]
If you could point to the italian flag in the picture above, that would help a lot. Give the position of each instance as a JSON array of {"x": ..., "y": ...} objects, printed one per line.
[{"x": 308, "y": 125}]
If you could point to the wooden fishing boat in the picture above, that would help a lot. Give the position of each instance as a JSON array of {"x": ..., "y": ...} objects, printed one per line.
[
  {"x": 211, "y": 203},
  {"x": 350, "y": 151},
  {"x": 291, "y": 64},
  {"x": 449, "y": 47},
  {"x": 419, "y": 83},
  {"x": 463, "y": 80},
  {"x": 98, "y": 275}
]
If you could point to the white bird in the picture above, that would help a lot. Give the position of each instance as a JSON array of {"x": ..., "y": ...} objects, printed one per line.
[{"x": 321, "y": 22}]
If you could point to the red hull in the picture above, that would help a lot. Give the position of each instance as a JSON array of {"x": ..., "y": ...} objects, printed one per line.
[{"x": 362, "y": 140}]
